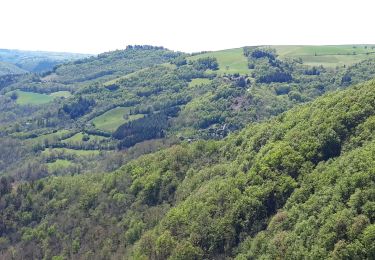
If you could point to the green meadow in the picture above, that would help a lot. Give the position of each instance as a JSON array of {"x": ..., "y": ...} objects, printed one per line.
[
  {"x": 58, "y": 164},
  {"x": 78, "y": 138},
  {"x": 47, "y": 152},
  {"x": 33, "y": 98},
  {"x": 52, "y": 137},
  {"x": 328, "y": 56},
  {"x": 112, "y": 119},
  {"x": 233, "y": 61},
  {"x": 230, "y": 61}
]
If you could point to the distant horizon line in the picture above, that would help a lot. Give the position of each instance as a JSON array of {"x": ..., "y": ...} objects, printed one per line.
[{"x": 256, "y": 45}]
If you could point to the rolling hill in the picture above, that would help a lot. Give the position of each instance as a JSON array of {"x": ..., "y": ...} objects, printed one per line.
[
  {"x": 260, "y": 152},
  {"x": 329, "y": 56},
  {"x": 233, "y": 61},
  {"x": 297, "y": 186},
  {"x": 144, "y": 98}
]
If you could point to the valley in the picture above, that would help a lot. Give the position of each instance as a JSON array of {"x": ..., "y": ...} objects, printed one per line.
[{"x": 258, "y": 152}]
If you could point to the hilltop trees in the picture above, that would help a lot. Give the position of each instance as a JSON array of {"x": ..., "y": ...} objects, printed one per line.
[
  {"x": 263, "y": 53},
  {"x": 144, "y": 47},
  {"x": 206, "y": 63},
  {"x": 267, "y": 68}
]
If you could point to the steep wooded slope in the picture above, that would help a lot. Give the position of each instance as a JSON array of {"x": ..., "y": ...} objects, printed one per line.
[{"x": 297, "y": 186}]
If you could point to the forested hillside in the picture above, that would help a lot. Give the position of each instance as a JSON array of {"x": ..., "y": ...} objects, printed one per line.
[
  {"x": 94, "y": 114},
  {"x": 262, "y": 152},
  {"x": 296, "y": 186}
]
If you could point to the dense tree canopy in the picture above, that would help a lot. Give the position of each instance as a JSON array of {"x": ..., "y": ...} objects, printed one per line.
[
  {"x": 146, "y": 153},
  {"x": 297, "y": 186}
]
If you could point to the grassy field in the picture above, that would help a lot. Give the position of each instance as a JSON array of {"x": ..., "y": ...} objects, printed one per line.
[
  {"x": 329, "y": 55},
  {"x": 230, "y": 61},
  {"x": 74, "y": 139},
  {"x": 31, "y": 98},
  {"x": 112, "y": 119},
  {"x": 58, "y": 164},
  {"x": 198, "y": 82},
  {"x": 47, "y": 152},
  {"x": 77, "y": 138},
  {"x": 49, "y": 137},
  {"x": 64, "y": 94},
  {"x": 233, "y": 61}
]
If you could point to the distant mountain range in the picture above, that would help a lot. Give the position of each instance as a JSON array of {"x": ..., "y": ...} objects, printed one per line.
[
  {"x": 9, "y": 68},
  {"x": 33, "y": 61}
]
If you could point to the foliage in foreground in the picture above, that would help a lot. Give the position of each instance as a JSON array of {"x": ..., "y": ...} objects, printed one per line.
[{"x": 297, "y": 186}]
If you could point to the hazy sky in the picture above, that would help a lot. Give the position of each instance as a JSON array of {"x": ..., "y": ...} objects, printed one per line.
[{"x": 93, "y": 26}]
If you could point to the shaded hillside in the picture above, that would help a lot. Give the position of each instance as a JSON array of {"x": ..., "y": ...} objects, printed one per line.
[
  {"x": 8, "y": 68},
  {"x": 297, "y": 186}
]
